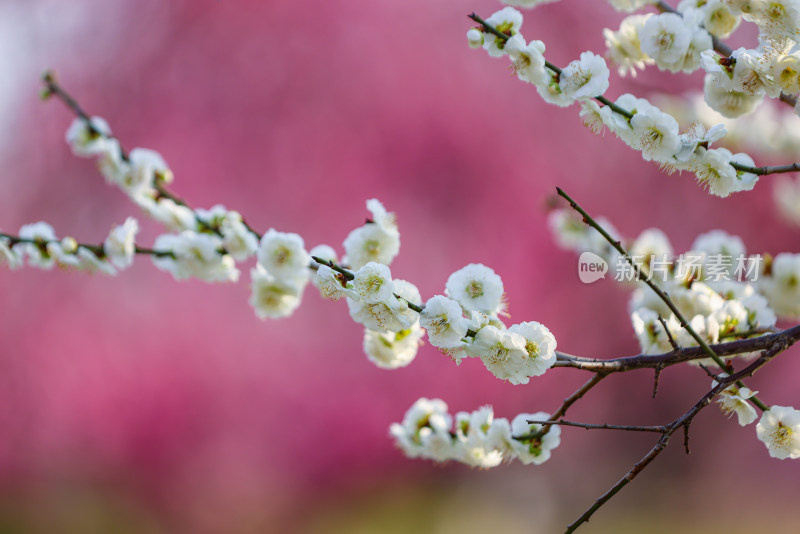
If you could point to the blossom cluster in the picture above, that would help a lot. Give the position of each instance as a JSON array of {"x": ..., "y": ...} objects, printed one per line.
[
  {"x": 38, "y": 245},
  {"x": 205, "y": 243},
  {"x": 464, "y": 322},
  {"x": 474, "y": 438},
  {"x": 675, "y": 41},
  {"x": 721, "y": 303}
]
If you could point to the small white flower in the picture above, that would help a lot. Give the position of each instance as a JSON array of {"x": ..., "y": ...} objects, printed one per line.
[
  {"x": 86, "y": 141},
  {"x": 782, "y": 285},
  {"x": 652, "y": 245},
  {"x": 729, "y": 100},
  {"x": 527, "y": 60},
  {"x": 540, "y": 345},
  {"x": 425, "y": 431},
  {"x": 655, "y": 133},
  {"x": 585, "y": 78},
  {"x": 779, "y": 430},
  {"x": 120, "y": 245},
  {"x": 390, "y": 315},
  {"x": 623, "y": 47},
  {"x": 507, "y": 21},
  {"x": 38, "y": 256},
  {"x": 786, "y": 195},
  {"x": 238, "y": 240},
  {"x": 393, "y": 350},
  {"x": 371, "y": 242},
  {"x": 503, "y": 352},
  {"x": 175, "y": 217},
  {"x": 665, "y": 38},
  {"x": 271, "y": 297},
  {"x": 653, "y": 339},
  {"x": 331, "y": 285},
  {"x": 535, "y": 451},
  {"x": 145, "y": 167},
  {"x": 477, "y": 288},
  {"x": 195, "y": 255},
  {"x": 718, "y": 19},
  {"x": 373, "y": 283},
  {"x": 9, "y": 255},
  {"x": 444, "y": 321},
  {"x": 283, "y": 255},
  {"x": 733, "y": 399},
  {"x": 473, "y": 443},
  {"x": 88, "y": 261},
  {"x": 64, "y": 252}
]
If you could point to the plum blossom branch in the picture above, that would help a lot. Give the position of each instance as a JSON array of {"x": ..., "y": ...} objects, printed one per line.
[
  {"x": 783, "y": 343},
  {"x": 98, "y": 250},
  {"x": 628, "y": 114},
  {"x": 657, "y": 290}
]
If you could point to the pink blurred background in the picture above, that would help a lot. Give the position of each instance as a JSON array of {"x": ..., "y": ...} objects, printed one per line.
[{"x": 140, "y": 404}]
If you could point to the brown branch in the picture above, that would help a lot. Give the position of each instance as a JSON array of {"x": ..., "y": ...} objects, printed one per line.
[{"x": 684, "y": 422}]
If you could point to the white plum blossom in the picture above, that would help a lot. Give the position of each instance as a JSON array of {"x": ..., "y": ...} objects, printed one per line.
[
  {"x": 444, "y": 321},
  {"x": 90, "y": 262},
  {"x": 474, "y": 441},
  {"x": 373, "y": 283},
  {"x": 781, "y": 286},
  {"x": 724, "y": 97},
  {"x": 8, "y": 255},
  {"x": 377, "y": 240},
  {"x": 714, "y": 171},
  {"x": 272, "y": 297},
  {"x": 550, "y": 90},
  {"x": 540, "y": 344},
  {"x": 389, "y": 315},
  {"x": 779, "y": 430},
  {"x": 623, "y": 47},
  {"x": 507, "y": 21},
  {"x": 503, "y": 352},
  {"x": 145, "y": 167},
  {"x": 120, "y": 245},
  {"x": 195, "y": 255},
  {"x": 393, "y": 350},
  {"x": 733, "y": 400},
  {"x": 40, "y": 233},
  {"x": 652, "y": 244},
  {"x": 283, "y": 255},
  {"x": 786, "y": 195},
  {"x": 665, "y": 38},
  {"x": 64, "y": 252},
  {"x": 533, "y": 451},
  {"x": 425, "y": 431},
  {"x": 476, "y": 287},
  {"x": 655, "y": 133},
  {"x": 527, "y": 60},
  {"x": 586, "y": 77},
  {"x": 717, "y": 16},
  {"x": 331, "y": 285},
  {"x": 175, "y": 217},
  {"x": 92, "y": 138},
  {"x": 238, "y": 240},
  {"x": 652, "y": 336}
]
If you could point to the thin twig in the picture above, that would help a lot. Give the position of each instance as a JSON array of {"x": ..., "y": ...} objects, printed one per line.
[{"x": 588, "y": 426}]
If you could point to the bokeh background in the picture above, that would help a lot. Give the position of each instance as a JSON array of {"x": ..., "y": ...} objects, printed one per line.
[{"x": 138, "y": 404}]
